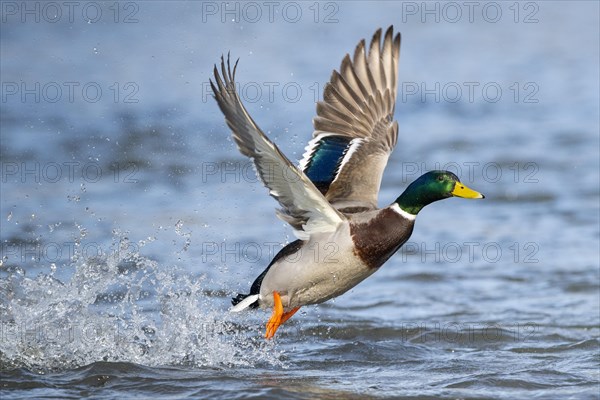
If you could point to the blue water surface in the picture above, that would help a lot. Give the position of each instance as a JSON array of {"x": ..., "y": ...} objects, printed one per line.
[{"x": 128, "y": 217}]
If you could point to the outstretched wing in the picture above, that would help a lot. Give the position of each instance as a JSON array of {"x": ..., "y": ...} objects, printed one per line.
[
  {"x": 303, "y": 206},
  {"x": 354, "y": 129}
]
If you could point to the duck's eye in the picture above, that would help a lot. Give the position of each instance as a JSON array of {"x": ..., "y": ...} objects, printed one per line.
[{"x": 441, "y": 178}]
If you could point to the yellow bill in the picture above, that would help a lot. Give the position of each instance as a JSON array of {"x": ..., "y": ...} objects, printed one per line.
[{"x": 460, "y": 190}]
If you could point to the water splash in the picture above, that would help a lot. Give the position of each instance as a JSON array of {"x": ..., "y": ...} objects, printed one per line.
[{"x": 121, "y": 307}]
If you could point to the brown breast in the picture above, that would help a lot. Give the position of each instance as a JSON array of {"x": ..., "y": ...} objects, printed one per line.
[{"x": 377, "y": 240}]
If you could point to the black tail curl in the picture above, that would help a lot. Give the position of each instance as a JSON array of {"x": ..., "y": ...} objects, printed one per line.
[{"x": 240, "y": 297}]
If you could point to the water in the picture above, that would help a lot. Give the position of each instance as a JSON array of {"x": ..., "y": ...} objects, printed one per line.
[{"x": 128, "y": 218}]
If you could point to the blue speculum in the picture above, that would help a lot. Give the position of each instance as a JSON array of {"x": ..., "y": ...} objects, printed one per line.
[{"x": 325, "y": 161}]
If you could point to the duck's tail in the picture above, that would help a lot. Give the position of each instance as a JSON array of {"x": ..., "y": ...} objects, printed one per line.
[{"x": 243, "y": 301}]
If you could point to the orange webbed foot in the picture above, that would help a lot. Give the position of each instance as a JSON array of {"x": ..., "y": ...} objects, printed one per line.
[{"x": 278, "y": 317}]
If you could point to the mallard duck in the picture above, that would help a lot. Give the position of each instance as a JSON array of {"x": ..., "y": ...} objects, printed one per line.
[{"x": 330, "y": 199}]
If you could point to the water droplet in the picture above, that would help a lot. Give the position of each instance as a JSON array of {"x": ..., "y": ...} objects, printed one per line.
[{"x": 9, "y": 216}]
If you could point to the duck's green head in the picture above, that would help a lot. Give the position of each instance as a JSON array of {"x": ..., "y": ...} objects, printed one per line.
[{"x": 434, "y": 186}]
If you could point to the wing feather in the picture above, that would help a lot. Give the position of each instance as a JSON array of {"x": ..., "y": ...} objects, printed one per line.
[
  {"x": 302, "y": 205},
  {"x": 359, "y": 102}
]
